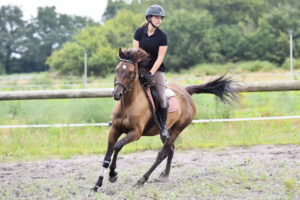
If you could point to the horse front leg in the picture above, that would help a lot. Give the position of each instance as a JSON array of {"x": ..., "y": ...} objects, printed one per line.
[
  {"x": 112, "y": 139},
  {"x": 130, "y": 137}
]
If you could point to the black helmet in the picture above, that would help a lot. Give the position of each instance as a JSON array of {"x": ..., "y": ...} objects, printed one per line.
[{"x": 156, "y": 10}]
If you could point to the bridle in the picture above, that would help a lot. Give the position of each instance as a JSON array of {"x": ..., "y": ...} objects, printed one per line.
[{"x": 128, "y": 87}]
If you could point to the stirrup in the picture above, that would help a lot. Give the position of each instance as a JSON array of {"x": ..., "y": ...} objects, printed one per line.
[{"x": 164, "y": 132}]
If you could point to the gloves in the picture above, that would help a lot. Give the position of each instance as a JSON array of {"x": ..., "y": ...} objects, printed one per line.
[{"x": 146, "y": 78}]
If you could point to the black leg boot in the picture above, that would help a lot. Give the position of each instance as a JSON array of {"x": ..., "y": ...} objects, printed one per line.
[{"x": 164, "y": 131}]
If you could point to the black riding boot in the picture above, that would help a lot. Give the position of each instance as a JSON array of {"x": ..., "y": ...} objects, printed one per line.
[{"x": 164, "y": 131}]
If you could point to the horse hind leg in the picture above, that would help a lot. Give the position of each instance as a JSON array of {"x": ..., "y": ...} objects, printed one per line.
[
  {"x": 162, "y": 154},
  {"x": 164, "y": 175},
  {"x": 175, "y": 131}
]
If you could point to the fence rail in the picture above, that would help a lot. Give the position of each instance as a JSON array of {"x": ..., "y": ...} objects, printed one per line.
[
  {"x": 107, "y": 124},
  {"x": 107, "y": 92},
  {"x": 270, "y": 86},
  {"x": 56, "y": 94}
]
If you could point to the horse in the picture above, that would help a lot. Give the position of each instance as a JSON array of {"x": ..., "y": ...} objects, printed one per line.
[{"x": 132, "y": 113}]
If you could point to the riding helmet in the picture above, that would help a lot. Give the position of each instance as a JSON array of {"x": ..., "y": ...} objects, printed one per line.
[{"x": 155, "y": 10}]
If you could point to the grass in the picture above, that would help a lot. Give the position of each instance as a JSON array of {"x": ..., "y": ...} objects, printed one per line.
[
  {"x": 243, "y": 71},
  {"x": 32, "y": 144},
  {"x": 99, "y": 110},
  {"x": 27, "y": 144},
  {"x": 45, "y": 80},
  {"x": 241, "y": 67},
  {"x": 56, "y": 111}
]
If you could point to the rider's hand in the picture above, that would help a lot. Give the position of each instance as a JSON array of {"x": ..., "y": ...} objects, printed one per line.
[{"x": 148, "y": 77}]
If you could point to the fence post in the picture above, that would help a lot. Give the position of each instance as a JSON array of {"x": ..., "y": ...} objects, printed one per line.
[
  {"x": 291, "y": 53},
  {"x": 85, "y": 68}
]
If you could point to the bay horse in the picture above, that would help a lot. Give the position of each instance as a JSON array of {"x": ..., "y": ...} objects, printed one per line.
[{"x": 132, "y": 113}]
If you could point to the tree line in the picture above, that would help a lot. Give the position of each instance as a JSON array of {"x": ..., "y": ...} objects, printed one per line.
[
  {"x": 25, "y": 45},
  {"x": 199, "y": 31}
]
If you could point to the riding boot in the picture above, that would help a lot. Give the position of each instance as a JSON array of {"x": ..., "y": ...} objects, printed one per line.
[{"x": 164, "y": 131}]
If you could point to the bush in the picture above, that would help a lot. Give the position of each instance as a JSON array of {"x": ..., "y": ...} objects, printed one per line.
[
  {"x": 251, "y": 66},
  {"x": 287, "y": 65},
  {"x": 2, "y": 69},
  {"x": 254, "y": 66}
]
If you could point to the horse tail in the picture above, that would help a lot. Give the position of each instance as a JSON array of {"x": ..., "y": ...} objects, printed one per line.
[{"x": 223, "y": 87}]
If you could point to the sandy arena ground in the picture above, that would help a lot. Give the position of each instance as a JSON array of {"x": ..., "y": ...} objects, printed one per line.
[{"x": 264, "y": 172}]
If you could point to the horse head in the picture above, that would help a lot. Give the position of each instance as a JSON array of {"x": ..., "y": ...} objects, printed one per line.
[{"x": 126, "y": 71}]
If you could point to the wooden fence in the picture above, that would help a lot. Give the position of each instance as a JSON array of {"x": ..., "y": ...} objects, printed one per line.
[{"x": 107, "y": 92}]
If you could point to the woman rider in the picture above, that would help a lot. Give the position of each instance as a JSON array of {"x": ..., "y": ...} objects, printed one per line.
[{"x": 155, "y": 42}]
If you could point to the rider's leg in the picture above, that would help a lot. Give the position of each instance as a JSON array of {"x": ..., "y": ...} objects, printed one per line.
[{"x": 160, "y": 84}]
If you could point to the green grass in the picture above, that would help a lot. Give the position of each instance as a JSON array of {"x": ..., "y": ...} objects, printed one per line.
[
  {"x": 32, "y": 144},
  {"x": 99, "y": 109},
  {"x": 287, "y": 64},
  {"x": 42, "y": 143},
  {"x": 56, "y": 111},
  {"x": 261, "y": 104},
  {"x": 241, "y": 67},
  {"x": 27, "y": 144},
  {"x": 50, "y": 80}
]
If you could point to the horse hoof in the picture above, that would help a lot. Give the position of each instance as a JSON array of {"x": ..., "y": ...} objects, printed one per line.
[
  {"x": 95, "y": 189},
  {"x": 140, "y": 182},
  {"x": 162, "y": 177},
  {"x": 113, "y": 179}
]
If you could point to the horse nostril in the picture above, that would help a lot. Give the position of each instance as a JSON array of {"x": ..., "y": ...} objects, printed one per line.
[{"x": 117, "y": 96}]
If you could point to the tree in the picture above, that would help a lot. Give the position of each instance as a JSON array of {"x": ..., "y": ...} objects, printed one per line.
[
  {"x": 47, "y": 33},
  {"x": 271, "y": 39},
  {"x": 199, "y": 31},
  {"x": 11, "y": 37},
  {"x": 191, "y": 39},
  {"x": 101, "y": 43},
  {"x": 25, "y": 46},
  {"x": 112, "y": 9}
]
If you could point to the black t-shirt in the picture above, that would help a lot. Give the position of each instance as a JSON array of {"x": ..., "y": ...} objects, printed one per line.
[{"x": 151, "y": 44}]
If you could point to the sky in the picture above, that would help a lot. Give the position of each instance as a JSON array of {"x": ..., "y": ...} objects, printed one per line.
[{"x": 88, "y": 8}]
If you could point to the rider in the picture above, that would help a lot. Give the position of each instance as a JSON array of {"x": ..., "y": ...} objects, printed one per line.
[{"x": 155, "y": 42}]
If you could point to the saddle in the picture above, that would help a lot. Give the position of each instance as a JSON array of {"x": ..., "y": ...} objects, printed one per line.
[
  {"x": 170, "y": 96},
  {"x": 152, "y": 96}
]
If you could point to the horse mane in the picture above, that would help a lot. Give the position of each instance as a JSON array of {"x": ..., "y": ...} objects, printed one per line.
[{"x": 140, "y": 56}]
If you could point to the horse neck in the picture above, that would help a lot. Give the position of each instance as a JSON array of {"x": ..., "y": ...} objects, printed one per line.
[{"x": 131, "y": 96}]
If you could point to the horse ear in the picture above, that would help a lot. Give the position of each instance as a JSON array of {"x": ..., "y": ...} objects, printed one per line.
[
  {"x": 121, "y": 54},
  {"x": 137, "y": 56}
]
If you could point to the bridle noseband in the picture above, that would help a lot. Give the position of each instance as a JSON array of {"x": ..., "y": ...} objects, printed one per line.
[{"x": 126, "y": 88}]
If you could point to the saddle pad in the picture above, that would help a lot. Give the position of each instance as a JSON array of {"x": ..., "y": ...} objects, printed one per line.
[
  {"x": 170, "y": 93},
  {"x": 173, "y": 104}
]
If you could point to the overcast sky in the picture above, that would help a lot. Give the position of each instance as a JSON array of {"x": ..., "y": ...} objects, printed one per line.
[{"x": 89, "y": 8}]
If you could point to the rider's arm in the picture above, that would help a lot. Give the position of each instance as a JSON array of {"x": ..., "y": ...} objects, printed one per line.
[
  {"x": 161, "y": 55},
  {"x": 136, "y": 44}
]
